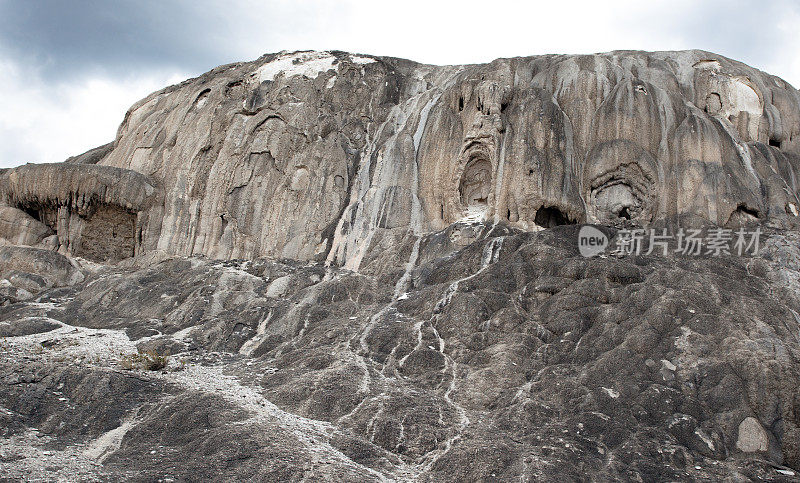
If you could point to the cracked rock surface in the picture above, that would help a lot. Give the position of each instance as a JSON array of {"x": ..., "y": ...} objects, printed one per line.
[{"x": 502, "y": 355}]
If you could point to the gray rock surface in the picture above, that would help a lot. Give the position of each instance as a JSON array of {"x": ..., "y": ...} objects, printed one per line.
[
  {"x": 332, "y": 267},
  {"x": 505, "y": 355},
  {"x": 96, "y": 212}
]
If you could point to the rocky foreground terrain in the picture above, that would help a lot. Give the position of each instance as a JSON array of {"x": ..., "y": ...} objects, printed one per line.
[
  {"x": 321, "y": 266},
  {"x": 507, "y": 356}
]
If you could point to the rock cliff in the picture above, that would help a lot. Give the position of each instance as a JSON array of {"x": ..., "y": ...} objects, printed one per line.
[
  {"x": 324, "y": 266},
  {"x": 325, "y": 155}
]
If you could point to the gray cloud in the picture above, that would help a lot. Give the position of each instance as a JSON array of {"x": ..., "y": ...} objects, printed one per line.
[
  {"x": 65, "y": 39},
  {"x": 68, "y": 39}
]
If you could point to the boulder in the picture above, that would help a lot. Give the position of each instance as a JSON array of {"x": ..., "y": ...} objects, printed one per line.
[
  {"x": 20, "y": 228},
  {"x": 752, "y": 436}
]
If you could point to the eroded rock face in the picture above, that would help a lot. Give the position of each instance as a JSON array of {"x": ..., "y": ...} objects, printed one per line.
[
  {"x": 317, "y": 155},
  {"x": 404, "y": 301}
]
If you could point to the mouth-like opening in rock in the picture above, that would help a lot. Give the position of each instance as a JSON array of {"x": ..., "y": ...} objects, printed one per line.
[
  {"x": 108, "y": 234},
  {"x": 775, "y": 143},
  {"x": 550, "y": 216},
  {"x": 476, "y": 182},
  {"x": 618, "y": 199}
]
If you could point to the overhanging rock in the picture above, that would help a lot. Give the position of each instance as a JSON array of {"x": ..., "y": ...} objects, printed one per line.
[{"x": 96, "y": 212}]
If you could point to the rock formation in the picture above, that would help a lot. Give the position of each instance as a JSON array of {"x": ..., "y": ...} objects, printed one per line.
[
  {"x": 362, "y": 268},
  {"x": 316, "y": 155},
  {"x": 96, "y": 212}
]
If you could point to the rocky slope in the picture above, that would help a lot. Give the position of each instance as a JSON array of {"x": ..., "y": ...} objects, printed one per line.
[
  {"x": 325, "y": 266},
  {"x": 508, "y": 356}
]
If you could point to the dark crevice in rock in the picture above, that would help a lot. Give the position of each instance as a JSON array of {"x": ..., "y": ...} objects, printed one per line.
[
  {"x": 330, "y": 231},
  {"x": 748, "y": 211},
  {"x": 224, "y": 224},
  {"x": 743, "y": 215},
  {"x": 550, "y": 216}
]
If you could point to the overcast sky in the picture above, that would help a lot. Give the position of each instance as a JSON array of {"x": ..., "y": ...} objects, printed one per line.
[{"x": 70, "y": 69}]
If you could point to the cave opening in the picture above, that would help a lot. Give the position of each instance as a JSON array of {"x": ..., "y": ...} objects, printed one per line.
[
  {"x": 624, "y": 213},
  {"x": 46, "y": 214},
  {"x": 33, "y": 213},
  {"x": 775, "y": 143},
  {"x": 550, "y": 216},
  {"x": 475, "y": 185},
  {"x": 106, "y": 232}
]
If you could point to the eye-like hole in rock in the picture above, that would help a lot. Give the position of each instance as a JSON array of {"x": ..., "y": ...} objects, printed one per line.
[
  {"x": 713, "y": 103},
  {"x": 775, "y": 143},
  {"x": 742, "y": 215},
  {"x": 550, "y": 216},
  {"x": 476, "y": 183},
  {"x": 201, "y": 99}
]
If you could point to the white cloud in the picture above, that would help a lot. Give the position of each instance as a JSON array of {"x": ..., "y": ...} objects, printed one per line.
[
  {"x": 47, "y": 123},
  {"x": 758, "y": 32}
]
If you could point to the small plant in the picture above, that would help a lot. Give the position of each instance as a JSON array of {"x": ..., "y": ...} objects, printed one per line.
[{"x": 149, "y": 360}]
